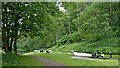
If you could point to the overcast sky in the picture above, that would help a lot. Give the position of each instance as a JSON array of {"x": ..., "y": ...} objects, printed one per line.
[{"x": 60, "y": 8}]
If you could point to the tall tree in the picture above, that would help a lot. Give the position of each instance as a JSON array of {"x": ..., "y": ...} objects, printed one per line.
[{"x": 21, "y": 18}]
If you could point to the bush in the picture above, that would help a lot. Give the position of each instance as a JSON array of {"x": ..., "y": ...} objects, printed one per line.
[
  {"x": 10, "y": 59},
  {"x": 105, "y": 46}
]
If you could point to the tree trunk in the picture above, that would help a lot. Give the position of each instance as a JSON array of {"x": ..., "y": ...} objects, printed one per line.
[
  {"x": 15, "y": 47},
  {"x": 78, "y": 27},
  {"x": 10, "y": 50},
  {"x": 69, "y": 28},
  {"x": 107, "y": 21},
  {"x": 4, "y": 40},
  {"x": 7, "y": 39},
  {"x": 56, "y": 39},
  {"x": 16, "y": 36}
]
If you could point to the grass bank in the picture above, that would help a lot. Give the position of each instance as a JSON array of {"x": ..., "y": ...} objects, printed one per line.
[{"x": 105, "y": 46}]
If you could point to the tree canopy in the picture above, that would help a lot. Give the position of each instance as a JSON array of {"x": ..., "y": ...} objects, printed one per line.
[{"x": 36, "y": 25}]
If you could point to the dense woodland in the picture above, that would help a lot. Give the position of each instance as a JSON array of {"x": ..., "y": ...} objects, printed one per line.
[{"x": 83, "y": 26}]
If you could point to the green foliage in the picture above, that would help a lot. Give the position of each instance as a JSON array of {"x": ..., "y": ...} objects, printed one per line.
[
  {"x": 105, "y": 45},
  {"x": 26, "y": 20},
  {"x": 84, "y": 27},
  {"x": 97, "y": 30},
  {"x": 17, "y": 60},
  {"x": 10, "y": 60},
  {"x": 29, "y": 44}
]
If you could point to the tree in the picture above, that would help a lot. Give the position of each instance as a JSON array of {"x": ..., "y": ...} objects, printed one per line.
[{"x": 24, "y": 19}]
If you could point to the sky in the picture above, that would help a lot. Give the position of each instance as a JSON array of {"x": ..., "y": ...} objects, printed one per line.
[{"x": 60, "y": 8}]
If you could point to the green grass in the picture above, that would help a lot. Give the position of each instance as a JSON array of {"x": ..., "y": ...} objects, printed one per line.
[
  {"x": 106, "y": 55},
  {"x": 28, "y": 61},
  {"x": 10, "y": 59},
  {"x": 29, "y": 53},
  {"x": 17, "y": 60},
  {"x": 65, "y": 59},
  {"x": 114, "y": 56}
]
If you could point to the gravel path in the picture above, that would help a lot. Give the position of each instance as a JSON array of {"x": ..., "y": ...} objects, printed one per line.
[
  {"x": 49, "y": 63},
  {"x": 75, "y": 57}
]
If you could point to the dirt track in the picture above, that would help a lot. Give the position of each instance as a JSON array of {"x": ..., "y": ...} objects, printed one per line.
[{"x": 49, "y": 63}]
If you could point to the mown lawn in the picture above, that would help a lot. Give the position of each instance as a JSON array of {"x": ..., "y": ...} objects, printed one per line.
[
  {"x": 77, "y": 62},
  {"x": 28, "y": 61},
  {"x": 114, "y": 56},
  {"x": 106, "y": 55},
  {"x": 17, "y": 60}
]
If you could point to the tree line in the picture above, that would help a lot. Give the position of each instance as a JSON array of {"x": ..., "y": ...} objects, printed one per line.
[{"x": 42, "y": 23}]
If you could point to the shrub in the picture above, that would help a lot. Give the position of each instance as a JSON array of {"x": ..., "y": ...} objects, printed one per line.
[{"x": 10, "y": 59}]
